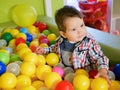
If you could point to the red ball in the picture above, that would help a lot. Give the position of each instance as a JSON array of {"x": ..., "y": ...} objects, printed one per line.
[
  {"x": 42, "y": 26},
  {"x": 42, "y": 37},
  {"x": 92, "y": 73},
  {"x": 19, "y": 40},
  {"x": 64, "y": 85},
  {"x": 33, "y": 48},
  {"x": 36, "y": 24},
  {"x": 45, "y": 41}
]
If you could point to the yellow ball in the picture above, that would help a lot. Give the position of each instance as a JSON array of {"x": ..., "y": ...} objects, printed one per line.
[
  {"x": 6, "y": 30},
  {"x": 21, "y": 35},
  {"x": 28, "y": 69},
  {"x": 8, "y": 80},
  {"x": 42, "y": 71},
  {"x": 52, "y": 59},
  {"x": 51, "y": 37},
  {"x": 81, "y": 71},
  {"x": 32, "y": 29},
  {"x": 41, "y": 60},
  {"x": 22, "y": 81},
  {"x": 14, "y": 32},
  {"x": 81, "y": 82},
  {"x": 43, "y": 45},
  {"x": 52, "y": 79},
  {"x": 31, "y": 57},
  {"x": 12, "y": 43},
  {"x": 37, "y": 84},
  {"x": 20, "y": 46},
  {"x": 30, "y": 87},
  {"x": 115, "y": 85},
  {"x": 99, "y": 84},
  {"x": 35, "y": 42}
]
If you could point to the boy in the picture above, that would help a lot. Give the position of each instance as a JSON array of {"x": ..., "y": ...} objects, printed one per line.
[{"x": 75, "y": 46}]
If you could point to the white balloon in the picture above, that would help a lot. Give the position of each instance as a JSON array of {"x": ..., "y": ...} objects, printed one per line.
[{"x": 111, "y": 75}]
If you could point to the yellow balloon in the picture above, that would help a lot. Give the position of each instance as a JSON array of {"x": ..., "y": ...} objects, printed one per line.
[
  {"x": 12, "y": 43},
  {"x": 43, "y": 45},
  {"x": 37, "y": 84},
  {"x": 51, "y": 37},
  {"x": 52, "y": 59},
  {"x": 28, "y": 69},
  {"x": 81, "y": 82},
  {"x": 24, "y": 15},
  {"x": 52, "y": 79},
  {"x": 42, "y": 71},
  {"x": 14, "y": 32},
  {"x": 23, "y": 35},
  {"x": 20, "y": 46},
  {"x": 32, "y": 29},
  {"x": 8, "y": 80},
  {"x": 81, "y": 71},
  {"x": 30, "y": 87},
  {"x": 22, "y": 81},
  {"x": 41, "y": 60}
]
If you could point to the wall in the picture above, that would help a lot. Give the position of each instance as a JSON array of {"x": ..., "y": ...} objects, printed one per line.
[{"x": 6, "y": 5}]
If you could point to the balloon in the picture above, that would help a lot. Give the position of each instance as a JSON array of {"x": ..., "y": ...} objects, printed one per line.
[
  {"x": 58, "y": 70},
  {"x": 64, "y": 85},
  {"x": 22, "y": 81},
  {"x": 24, "y": 15},
  {"x": 37, "y": 84},
  {"x": 2, "y": 68},
  {"x": 8, "y": 81},
  {"x": 68, "y": 70},
  {"x": 9, "y": 49},
  {"x": 42, "y": 71},
  {"x": 52, "y": 79},
  {"x": 99, "y": 84},
  {"x": 81, "y": 82},
  {"x": 13, "y": 68},
  {"x": 117, "y": 71},
  {"x": 29, "y": 37},
  {"x": 41, "y": 60},
  {"x": 59, "y": 65},
  {"x": 81, "y": 71},
  {"x": 52, "y": 59},
  {"x": 3, "y": 43},
  {"x": 28, "y": 68},
  {"x": 51, "y": 37},
  {"x": 14, "y": 57},
  {"x": 111, "y": 75},
  {"x": 19, "y": 40},
  {"x": 7, "y": 36},
  {"x": 44, "y": 88},
  {"x": 30, "y": 87},
  {"x": 23, "y": 30},
  {"x": 14, "y": 32},
  {"x": 4, "y": 57},
  {"x": 46, "y": 32}
]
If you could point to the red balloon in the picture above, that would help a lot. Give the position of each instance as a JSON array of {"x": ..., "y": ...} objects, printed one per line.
[
  {"x": 19, "y": 40},
  {"x": 64, "y": 85},
  {"x": 42, "y": 37},
  {"x": 33, "y": 48},
  {"x": 42, "y": 26},
  {"x": 92, "y": 73}
]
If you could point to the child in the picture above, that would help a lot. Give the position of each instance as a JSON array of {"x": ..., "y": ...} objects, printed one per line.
[{"x": 75, "y": 46}]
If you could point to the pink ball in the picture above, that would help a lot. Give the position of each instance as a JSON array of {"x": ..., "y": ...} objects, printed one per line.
[{"x": 58, "y": 70}]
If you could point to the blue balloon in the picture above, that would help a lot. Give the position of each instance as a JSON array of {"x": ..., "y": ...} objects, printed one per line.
[
  {"x": 23, "y": 30},
  {"x": 116, "y": 70},
  {"x": 2, "y": 68}
]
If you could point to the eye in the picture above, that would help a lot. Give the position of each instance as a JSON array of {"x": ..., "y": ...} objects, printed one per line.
[
  {"x": 81, "y": 25},
  {"x": 73, "y": 29}
]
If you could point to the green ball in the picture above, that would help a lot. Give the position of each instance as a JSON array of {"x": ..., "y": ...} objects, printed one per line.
[
  {"x": 4, "y": 57},
  {"x": 7, "y": 36},
  {"x": 46, "y": 32},
  {"x": 14, "y": 57}
]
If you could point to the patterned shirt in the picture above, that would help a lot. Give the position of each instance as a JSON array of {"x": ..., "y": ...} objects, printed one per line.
[{"x": 87, "y": 53}]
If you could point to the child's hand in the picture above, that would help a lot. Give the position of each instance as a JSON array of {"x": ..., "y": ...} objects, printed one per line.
[
  {"x": 39, "y": 50},
  {"x": 103, "y": 73}
]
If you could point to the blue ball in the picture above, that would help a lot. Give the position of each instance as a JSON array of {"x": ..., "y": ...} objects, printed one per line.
[
  {"x": 29, "y": 37},
  {"x": 23, "y": 30},
  {"x": 116, "y": 70},
  {"x": 2, "y": 68}
]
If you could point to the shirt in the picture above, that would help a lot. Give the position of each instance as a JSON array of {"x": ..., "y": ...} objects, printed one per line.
[{"x": 87, "y": 53}]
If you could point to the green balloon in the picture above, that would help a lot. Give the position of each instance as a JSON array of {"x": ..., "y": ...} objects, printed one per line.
[
  {"x": 7, "y": 36},
  {"x": 14, "y": 57},
  {"x": 4, "y": 57}
]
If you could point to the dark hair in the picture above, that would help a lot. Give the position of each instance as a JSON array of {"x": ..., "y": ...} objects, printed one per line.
[{"x": 62, "y": 14}]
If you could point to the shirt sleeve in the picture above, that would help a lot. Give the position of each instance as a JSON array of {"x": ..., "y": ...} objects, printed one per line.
[{"x": 97, "y": 55}]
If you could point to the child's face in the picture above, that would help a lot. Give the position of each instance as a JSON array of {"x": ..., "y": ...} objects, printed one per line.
[{"x": 75, "y": 29}]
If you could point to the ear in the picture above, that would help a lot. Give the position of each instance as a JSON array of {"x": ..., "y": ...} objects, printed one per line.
[{"x": 62, "y": 34}]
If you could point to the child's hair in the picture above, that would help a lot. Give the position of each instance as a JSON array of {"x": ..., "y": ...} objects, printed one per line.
[{"x": 62, "y": 14}]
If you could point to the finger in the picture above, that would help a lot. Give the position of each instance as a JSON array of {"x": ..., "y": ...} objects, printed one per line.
[{"x": 98, "y": 75}]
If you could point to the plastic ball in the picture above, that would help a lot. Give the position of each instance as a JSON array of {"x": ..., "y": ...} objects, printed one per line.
[
  {"x": 44, "y": 88},
  {"x": 8, "y": 81},
  {"x": 64, "y": 85},
  {"x": 59, "y": 65},
  {"x": 37, "y": 84},
  {"x": 111, "y": 75},
  {"x": 29, "y": 37},
  {"x": 28, "y": 88},
  {"x": 23, "y": 30},
  {"x": 81, "y": 71},
  {"x": 28, "y": 68},
  {"x": 42, "y": 36},
  {"x": 51, "y": 37},
  {"x": 53, "y": 42},
  {"x": 42, "y": 71},
  {"x": 44, "y": 41},
  {"x": 69, "y": 77},
  {"x": 34, "y": 42},
  {"x": 7, "y": 36},
  {"x": 46, "y": 32},
  {"x": 22, "y": 81},
  {"x": 14, "y": 57},
  {"x": 9, "y": 49},
  {"x": 92, "y": 73},
  {"x": 99, "y": 84},
  {"x": 68, "y": 70},
  {"x": 115, "y": 85},
  {"x": 81, "y": 82},
  {"x": 32, "y": 29},
  {"x": 20, "y": 46},
  {"x": 117, "y": 71},
  {"x": 14, "y": 32},
  {"x": 19, "y": 40},
  {"x": 42, "y": 26},
  {"x": 4, "y": 57},
  {"x": 58, "y": 70},
  {"x": 2, "y": 68},
  {"x": 43, "y": 45},
  {"x": 52, "y": 79},
  {"x": 24, "y": 15},
  {"x": 3, "y": 43},
  {"x": 41, "y": 60},
  {"x": 52, "y": 59},
  {"x": 21, "y": 35},
  {"x": 12, "y": 43}
]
